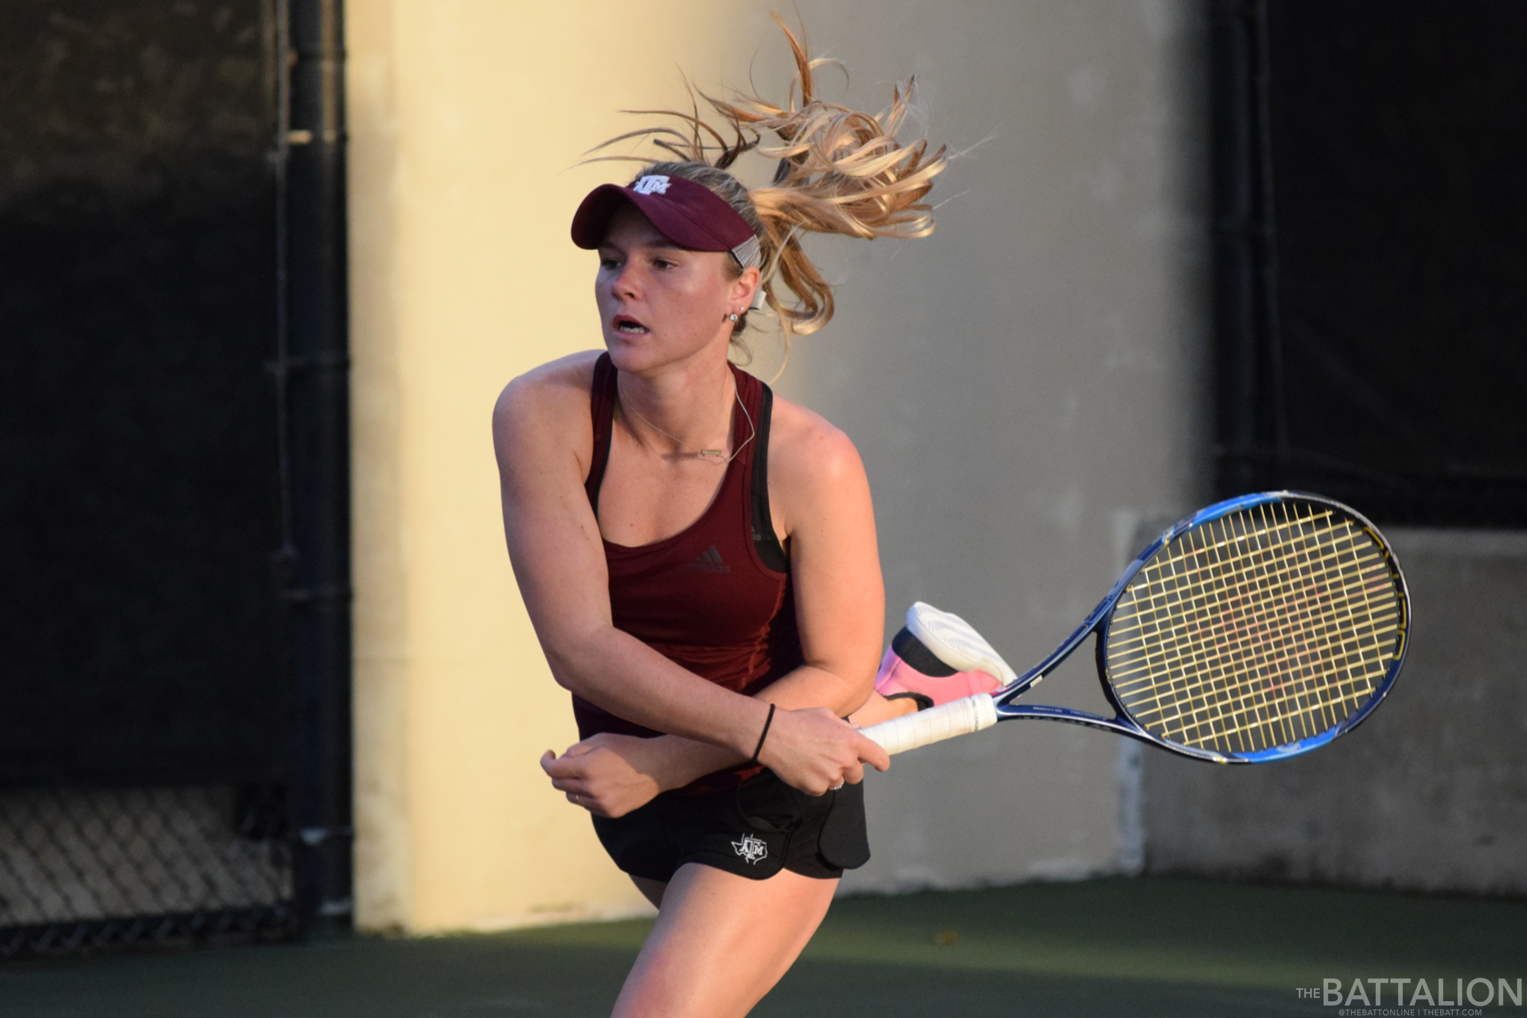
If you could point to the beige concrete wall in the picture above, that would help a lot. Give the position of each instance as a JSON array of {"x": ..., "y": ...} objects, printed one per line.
[
  {"x": 1024, "y": 387},
  {"x": 465, "y": 116}
]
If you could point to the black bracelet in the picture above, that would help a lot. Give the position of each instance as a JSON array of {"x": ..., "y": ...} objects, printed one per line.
[{"x": 767, "y": 722}]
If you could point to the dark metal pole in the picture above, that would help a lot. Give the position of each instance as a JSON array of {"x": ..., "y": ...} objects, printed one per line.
[
  {"x": 1249, "y": 368},
  {"x": 313, "y": 379},
  {"x": 1234, "y": 262},
  {"x": 1273, "y": 433}
]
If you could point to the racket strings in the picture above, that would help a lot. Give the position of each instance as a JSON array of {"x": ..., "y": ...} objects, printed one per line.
[
  {"x": 1286, "y": 655},
  {"x": 1256, "y": 630},
  {"x": 1216, "y": 711},
  {"x": 1250, "y": 646},
  {"x": 1293, "y": 703},
  {"x": 1280, "y": 693}
]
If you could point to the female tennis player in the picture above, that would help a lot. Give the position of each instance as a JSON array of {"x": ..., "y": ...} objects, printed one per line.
[{"x": 698, "y": 557}]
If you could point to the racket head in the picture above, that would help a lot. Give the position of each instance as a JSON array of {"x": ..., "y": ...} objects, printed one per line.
[{"x": 1259, "y": 628}]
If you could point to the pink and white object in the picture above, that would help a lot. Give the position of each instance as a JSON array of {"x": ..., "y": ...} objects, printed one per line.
[{"x": 973, "y": 666}]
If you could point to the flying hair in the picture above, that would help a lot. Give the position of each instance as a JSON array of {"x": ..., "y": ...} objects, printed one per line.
[{"x": 838, "y": 171}]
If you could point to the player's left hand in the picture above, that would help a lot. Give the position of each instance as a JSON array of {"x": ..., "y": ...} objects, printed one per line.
[{"x": 608, "y": 775}]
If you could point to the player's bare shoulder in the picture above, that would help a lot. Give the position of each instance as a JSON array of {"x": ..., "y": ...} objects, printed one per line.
[
  {"x": 547, "y": 408},
  {"x": 811, "y": 461},
  {"x": 565, "y": 380}
]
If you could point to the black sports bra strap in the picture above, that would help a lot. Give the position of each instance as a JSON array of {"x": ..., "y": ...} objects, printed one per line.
[
  {"x": 602, "y": 398},
  {"x": 602, "y": 393},
  {"x": 765, "y": 540}
]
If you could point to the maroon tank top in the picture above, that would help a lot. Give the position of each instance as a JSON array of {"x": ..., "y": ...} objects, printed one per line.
[{"x": 715, "y": 598}]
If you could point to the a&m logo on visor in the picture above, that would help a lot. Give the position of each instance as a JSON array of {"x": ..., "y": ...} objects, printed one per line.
[{"x": 653, "y": 184}]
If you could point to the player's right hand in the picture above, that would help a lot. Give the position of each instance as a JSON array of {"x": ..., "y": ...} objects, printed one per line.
[{"x": 815, "y": 751}]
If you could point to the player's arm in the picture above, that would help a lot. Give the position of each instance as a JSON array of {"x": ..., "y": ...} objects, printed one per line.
[
  {"x": 542, "y": 435},
  {"x": 820, "y": 501},
  {"x": 820, "y": 498}
]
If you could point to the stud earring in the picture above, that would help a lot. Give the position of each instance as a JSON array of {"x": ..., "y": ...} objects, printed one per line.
[{"x": 732, "y": 317}]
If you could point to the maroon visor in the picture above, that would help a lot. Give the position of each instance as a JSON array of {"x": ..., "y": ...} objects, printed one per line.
[{"x": 689, "y": 214}]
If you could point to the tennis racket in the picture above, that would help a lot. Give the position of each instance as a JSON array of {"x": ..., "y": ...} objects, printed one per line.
[{"x": 1259, "y": 628}]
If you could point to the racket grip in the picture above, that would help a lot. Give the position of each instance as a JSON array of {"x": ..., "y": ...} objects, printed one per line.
[{"x": 958, "y": 717}]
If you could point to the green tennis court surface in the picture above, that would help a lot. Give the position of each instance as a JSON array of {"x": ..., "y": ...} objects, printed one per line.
[{"x": 1141, "y": 947}]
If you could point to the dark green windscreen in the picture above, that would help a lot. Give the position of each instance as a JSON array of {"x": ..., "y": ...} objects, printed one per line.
[{"x": 139, "y": 511}]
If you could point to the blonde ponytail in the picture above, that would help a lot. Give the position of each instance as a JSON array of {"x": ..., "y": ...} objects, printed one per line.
[{"x": 839, "y": 171}]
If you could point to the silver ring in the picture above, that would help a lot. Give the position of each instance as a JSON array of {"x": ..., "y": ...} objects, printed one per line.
[{"x": 834, "y": 788}]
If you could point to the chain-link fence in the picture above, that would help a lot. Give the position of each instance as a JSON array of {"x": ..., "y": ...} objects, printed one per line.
[
  {"x": 174, "y": 542},
  {"x": 83, "y": 867}
]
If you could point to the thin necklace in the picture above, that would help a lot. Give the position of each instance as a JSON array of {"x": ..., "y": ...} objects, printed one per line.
[{"x": 708, "y": 454}]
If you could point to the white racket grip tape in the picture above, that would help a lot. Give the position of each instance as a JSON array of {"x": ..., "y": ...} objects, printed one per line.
[{"x": 959, "y": 717}]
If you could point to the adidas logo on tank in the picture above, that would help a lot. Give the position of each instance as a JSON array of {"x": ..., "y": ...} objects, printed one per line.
[{"x": 709, "y": 561}]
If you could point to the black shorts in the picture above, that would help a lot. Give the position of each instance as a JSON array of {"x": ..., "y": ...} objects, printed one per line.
[{"x": 754, "y": 830}]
